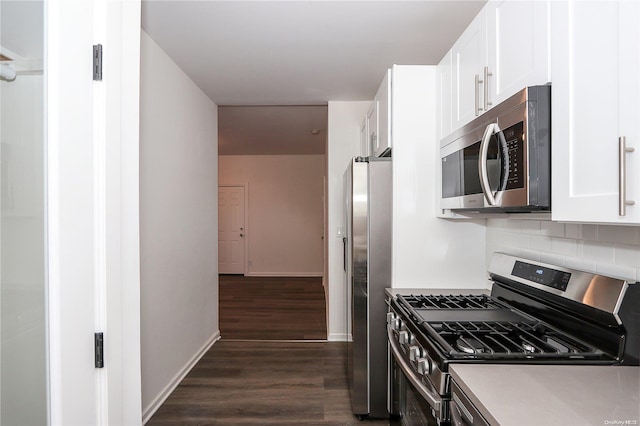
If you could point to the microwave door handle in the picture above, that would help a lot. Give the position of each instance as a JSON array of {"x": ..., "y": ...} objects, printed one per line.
[{"x": 482, "y": 166}]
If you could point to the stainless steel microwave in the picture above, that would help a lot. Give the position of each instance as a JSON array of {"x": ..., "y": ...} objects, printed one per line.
[{"x": 501, "y": 161}]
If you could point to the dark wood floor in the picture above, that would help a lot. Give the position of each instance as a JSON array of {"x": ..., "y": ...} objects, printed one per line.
[
  {"x": 264, "y": 383},
  {"x": 272, "y": 308}
]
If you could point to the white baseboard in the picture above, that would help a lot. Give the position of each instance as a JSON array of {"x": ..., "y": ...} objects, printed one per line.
[
  {"x": 283, "y": 274},
  {"x": 339, "y": 337},
  {"x": 157, "y": 402}
]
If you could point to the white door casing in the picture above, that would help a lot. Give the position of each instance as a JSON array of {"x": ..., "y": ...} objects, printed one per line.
[
  {"x": 92, "y": 217},
  {"x": 231, "y": 230}
]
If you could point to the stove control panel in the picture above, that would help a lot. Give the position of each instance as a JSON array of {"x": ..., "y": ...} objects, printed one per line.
[{"x": 542, "y": 275}]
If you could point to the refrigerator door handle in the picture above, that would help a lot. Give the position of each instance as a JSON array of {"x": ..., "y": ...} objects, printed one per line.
[{"x": 344, "y": 253}]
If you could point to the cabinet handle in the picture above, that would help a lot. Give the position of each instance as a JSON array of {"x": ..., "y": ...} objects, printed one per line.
[
  {"x": 487, "y": 74},
  {"x": 622, "y": 177},
  {"x": 478, "y": 82}
]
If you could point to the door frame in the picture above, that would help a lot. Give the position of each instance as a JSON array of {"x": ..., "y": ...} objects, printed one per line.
[
  {"x": 245, "y": 185},
  {"x": 92, "y": 225}
]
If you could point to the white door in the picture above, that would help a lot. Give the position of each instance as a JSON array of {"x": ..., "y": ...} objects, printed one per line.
[
  {"x": 231, "y": 230},
  {"x": 92, "y": 197}
]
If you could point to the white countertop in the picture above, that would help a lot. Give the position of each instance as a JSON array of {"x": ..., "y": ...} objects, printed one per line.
[{"x": 538, "y": 395}]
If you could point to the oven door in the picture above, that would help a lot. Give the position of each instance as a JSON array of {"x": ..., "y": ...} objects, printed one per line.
[{"x": 410, "y": 397}]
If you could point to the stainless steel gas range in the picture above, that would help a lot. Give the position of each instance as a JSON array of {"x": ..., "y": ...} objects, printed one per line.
[{"x": 536, "y": 313}]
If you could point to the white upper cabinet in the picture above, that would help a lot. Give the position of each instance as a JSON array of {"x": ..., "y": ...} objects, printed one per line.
[
  {"x": 502, "y": 51},
  {"x": 371, "y": 127},
  {"x": 596, "y": 111},
  {"x": 382, "y": 101},
  {"x": 517, "y": 48},
  {"x": 445, "y": 96},
  {"x": 365, "y": 146},
  {"x": 469, "y": 57}
]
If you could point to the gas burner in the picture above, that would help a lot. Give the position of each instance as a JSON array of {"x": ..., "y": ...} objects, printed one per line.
[
  {"x": 470, "y": 345},
  {"x": 528, "y": 347}
]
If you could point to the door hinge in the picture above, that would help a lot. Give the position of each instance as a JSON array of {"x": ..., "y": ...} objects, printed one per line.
[
  {"x": 99, "y": 349},
  {"x": 97, "y": 62}
]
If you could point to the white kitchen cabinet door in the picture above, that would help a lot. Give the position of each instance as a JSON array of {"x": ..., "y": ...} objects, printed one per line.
[
  {"x": 372, "y": 127},
  {"x": 595, "y": 102},
  {"x": 364, "y": 139},
  {"x": 469, "y": 59},
  {"x": 517, "y": 48},
  {"x": 383, "y": 101},
  {"x": 445, "y": 96}
]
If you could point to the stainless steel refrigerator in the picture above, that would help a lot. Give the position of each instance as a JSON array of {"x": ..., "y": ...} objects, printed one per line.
[{"x": 367, "y": 244}]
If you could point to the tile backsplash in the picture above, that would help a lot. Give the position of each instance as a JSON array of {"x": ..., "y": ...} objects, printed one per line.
[{"x": 605, "y": 249}]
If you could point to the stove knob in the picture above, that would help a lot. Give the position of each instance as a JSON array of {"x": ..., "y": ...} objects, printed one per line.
[
  {"x": 393, "y": 321},
  {"x": 415, "y": 353},
  {"x": 403, "y": 337},
  {"x": 424, "y": 366}
]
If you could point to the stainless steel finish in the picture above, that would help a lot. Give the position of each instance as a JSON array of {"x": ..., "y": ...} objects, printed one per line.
[
  {"x": 463, "y": 412},
  {"x": 490, "y": 130},
  {"x": 393, "y": 321},
  {"x": 487, "y": 74},
  {"x": 430, "y": 395},
  {"x": 491, "y": 116},
  {"x": 368, "y": 273},
  {"x": 623, "y": 150},
  {"x": 532, "y": 107},
  {"x": 597, "y": 291},
  {"x": 424, "y": 366},
  {"x": 403, "y": 337},
  {"x": 430, "y": 369},
  {"x": 415, "y": 353},
  {"x": 478, "y": 109}
]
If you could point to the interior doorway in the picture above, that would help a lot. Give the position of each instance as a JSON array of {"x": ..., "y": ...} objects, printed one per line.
[{"x": 279, "y": 154}]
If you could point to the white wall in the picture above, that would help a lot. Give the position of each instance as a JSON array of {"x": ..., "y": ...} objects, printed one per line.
[
  {"x": 178, "y": 224},
  {"x": 605, "y": 249},
  {"x": 428, "y": 252},
  {"x": 343, "y": 144},
  {"x": 285, "y": 211}
]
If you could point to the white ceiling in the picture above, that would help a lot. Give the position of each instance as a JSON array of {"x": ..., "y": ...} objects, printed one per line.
[
  {"x": 258, "y": 53},
  {"x": 301, "y": 52}
]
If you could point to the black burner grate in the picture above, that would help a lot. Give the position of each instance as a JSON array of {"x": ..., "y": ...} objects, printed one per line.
[
  {"x": 451, "y": 302},
  {"x": 509, "y": 340}
]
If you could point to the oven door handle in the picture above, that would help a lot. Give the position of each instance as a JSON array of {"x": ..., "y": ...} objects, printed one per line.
[{"x": 434, "y": 402}]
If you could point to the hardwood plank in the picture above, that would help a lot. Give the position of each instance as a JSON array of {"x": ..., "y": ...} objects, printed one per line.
[
  {"x": 272, "y": 308},
  {"x": 264, "y": 383}
]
